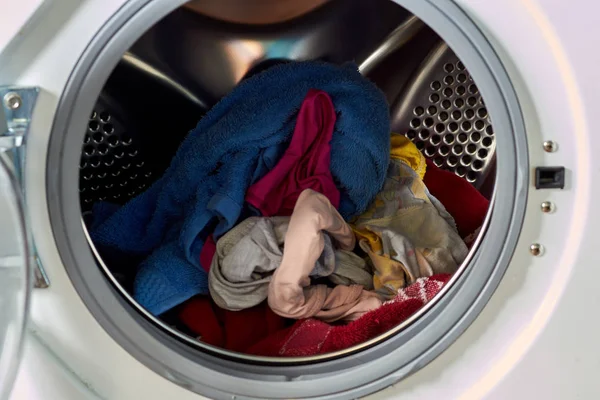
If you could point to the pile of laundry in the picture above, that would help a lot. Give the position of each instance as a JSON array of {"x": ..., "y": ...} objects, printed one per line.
[{"x": 291, "y": 201}]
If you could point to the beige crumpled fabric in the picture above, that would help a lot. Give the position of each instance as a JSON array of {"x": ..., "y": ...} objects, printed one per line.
[
  {"x": 290, "y": 292},
  {"x": 248, "y": 254}
]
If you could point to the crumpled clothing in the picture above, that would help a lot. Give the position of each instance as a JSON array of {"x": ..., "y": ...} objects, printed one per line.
[
  {"x": 311, "y": 337},
  {"x": 305, "y": 163},
  {"x": 350, "y": 269},
  {"x": 341, "y": 302},
  {"x": 247, "y": 256},
  {"x": 405, "y": 150},
  {"x": 207, "y": 253},
  {"x": 290, "y": 292},
  {"x": 234, "y": 145},
  {"x": 407, "y": 232}
]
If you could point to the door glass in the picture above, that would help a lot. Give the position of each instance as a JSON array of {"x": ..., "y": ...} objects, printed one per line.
[{"x": 15, "y": 276}]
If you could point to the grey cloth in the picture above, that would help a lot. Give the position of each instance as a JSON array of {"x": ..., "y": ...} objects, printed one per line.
[
  {"x": 248, "y": 254},
  {"x": 350, "y": 269}
]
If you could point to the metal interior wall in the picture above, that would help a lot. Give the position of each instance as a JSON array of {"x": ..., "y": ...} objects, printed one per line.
[{"x": 351, "y": 376}]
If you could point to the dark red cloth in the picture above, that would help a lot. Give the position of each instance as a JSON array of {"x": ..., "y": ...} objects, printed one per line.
[
  {"x": 310, "y": 337},
  {"x": 467, "y": 206},
  {"x": 305, "y": 163},
  {"x": 207, "y": 253},
  {"x": 198, "y": 315},
  {"x": 232, "y": 330}
]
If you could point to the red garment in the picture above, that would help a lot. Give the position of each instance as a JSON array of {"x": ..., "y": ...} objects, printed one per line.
[
  {"x": 310, "y": 337},
  {"x": 467, "y": 206},
  {"x": 198, "y": 315},
  {"x": 304, "y": 165},
  {"x": 207, "y": 253},
  {"x": 232, "y": 330}
]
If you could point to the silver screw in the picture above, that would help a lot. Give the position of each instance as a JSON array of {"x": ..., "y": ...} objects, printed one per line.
[
  {"x": 549, "y": 146},
  {"x": 12, "y": 100},
  {"x": 547, "y": 207},
  {"x": 536, "y": 249}
]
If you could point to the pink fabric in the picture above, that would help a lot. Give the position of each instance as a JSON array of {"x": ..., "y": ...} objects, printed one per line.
[
  {"x": 304, "y": 165},
  {"x": 290, "y": 293}
]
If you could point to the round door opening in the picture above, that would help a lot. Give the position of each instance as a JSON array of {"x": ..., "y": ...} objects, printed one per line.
[{"x": 270, "y": 191}]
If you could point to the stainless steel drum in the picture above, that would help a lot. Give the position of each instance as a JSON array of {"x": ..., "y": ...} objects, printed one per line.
[{"x": 184, "y": 64}]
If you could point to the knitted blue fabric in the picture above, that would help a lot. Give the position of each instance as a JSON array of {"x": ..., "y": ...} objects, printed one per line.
[{"x": 233, "y": 145}]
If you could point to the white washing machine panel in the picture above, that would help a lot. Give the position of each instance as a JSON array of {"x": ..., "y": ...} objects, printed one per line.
[{"x": 536, "y": 336}]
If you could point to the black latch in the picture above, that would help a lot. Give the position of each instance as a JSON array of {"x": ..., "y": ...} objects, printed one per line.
[{"x": 550, "y": 177}]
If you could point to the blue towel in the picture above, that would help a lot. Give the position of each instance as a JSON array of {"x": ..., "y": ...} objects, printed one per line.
[{"x": 233, "y": 145}]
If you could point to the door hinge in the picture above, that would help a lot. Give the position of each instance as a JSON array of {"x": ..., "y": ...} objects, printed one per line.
[
  {"x": 16, "y": 109},
  {"x": 15, "y": 115}
]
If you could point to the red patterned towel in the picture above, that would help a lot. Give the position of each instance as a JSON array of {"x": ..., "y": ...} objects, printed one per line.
[{"x": 310, "y": 337}]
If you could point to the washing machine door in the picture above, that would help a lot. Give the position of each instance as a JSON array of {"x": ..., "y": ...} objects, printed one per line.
[{"x": 15, "y": 268}]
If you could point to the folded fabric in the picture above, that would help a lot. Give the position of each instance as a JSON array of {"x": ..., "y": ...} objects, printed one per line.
[
  {"x": 311, "y": 337},
  {"x": 231, "y": 330},
  {"x": 290, "y": 292},
  {"x": 340, "y": 303},
  {"x": 467, "y": 206},
  {"x": 406, "y": 232},
  {"x": 350, "y": 269},
  {"x": 305, "y": 163},
  {"x": 235, "y": 144},
  {"x": 247, "y": 256},
  {"x": 404, "y": 150},
  {"x": 207, "y": 253}
]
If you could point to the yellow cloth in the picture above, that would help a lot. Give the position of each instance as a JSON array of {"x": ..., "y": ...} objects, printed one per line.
[
  {"x": 389, "y": 275},
  {"x": 404, "y": 150}
]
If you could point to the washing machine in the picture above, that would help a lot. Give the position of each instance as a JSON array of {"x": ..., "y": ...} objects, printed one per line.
[{"x": 97, "y": 94}]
